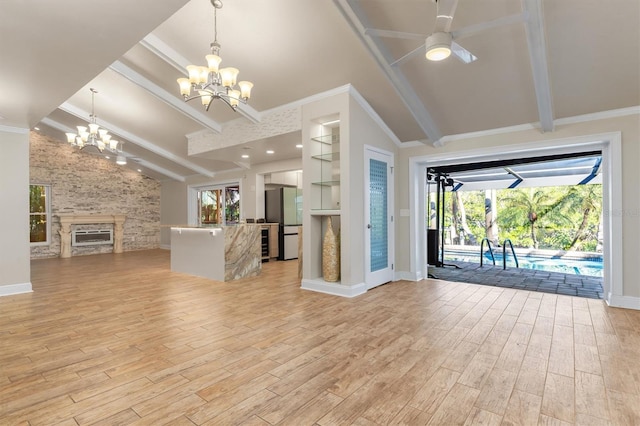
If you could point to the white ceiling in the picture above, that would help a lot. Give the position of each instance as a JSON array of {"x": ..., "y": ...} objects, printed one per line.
[{"x": 568, "y": 58}]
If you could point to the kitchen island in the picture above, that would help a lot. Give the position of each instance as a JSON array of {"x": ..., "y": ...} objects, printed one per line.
[{"x": 221, "y": 252}]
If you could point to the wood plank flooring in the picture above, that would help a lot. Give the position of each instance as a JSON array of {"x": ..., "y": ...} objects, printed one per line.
[{"x": 121, "y": 340}]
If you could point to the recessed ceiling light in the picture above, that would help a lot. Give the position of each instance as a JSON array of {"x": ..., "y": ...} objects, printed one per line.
[
  {"x": 36, "y": 128},
  {"x": 107, "y": 157},
  {"x": 299, "y": 145},
  {"x": 140, "y": 170},
  {"x": 270, "y": 151},
  {"x": 245, "y": 155}
]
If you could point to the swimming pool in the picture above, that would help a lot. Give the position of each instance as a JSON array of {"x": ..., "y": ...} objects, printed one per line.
[{"x": 590, "y": 266}]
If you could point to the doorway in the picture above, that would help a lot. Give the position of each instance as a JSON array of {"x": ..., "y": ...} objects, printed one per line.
[
  {"x": 610, "y": 146},
  {"x": 536, "y": 220}
]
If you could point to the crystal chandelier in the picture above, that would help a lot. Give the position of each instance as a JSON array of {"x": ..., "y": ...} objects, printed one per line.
[
  {"x": 212, "y": 82},
  {"x": 95, "y": 136}
]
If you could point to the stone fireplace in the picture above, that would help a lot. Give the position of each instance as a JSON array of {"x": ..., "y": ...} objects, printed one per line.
[{"x": 67, "y": 220}]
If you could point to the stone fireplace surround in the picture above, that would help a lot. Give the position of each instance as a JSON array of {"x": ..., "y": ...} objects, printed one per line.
[{"x": 67, "y": 220}]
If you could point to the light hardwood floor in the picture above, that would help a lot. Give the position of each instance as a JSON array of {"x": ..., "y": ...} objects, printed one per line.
[{"x": 119, "y": 339}]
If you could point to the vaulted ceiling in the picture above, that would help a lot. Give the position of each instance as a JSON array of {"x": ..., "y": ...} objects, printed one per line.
[{"x": 548, "y": 60}]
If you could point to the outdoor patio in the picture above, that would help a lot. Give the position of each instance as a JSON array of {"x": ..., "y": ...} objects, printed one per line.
[{"x": 526, "y": 279}]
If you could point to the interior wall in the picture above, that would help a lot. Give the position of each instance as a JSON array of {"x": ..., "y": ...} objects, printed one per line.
[
  {"x": 363, "y": 131},
  {"x": 173, "y": 209},
  {"x": 15, "y": 269},
  {"x": 628, "y": 126},
  {"x": 82, "y": 183}
]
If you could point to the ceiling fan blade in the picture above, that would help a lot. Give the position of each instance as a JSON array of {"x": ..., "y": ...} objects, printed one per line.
[
  {"x": 419, "y": 49},
  {"x": 394, "y": 34},
  {"x": 483, "y": 26},
  {"x": 445, "y": 11},
  {"x": 461, "y": 53}
]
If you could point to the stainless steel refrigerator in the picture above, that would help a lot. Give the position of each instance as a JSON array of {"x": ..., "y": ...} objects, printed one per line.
[{"x": 284, "y": 206}]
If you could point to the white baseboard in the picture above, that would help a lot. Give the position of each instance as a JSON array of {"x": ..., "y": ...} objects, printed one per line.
[
  {"x": 627, "y": 302},
  {"x": 335, "y": 289},
  {"x": 12, "y": 289},
  {"x": 165, "y": 246},
  {"x": 407, "y": 276}
]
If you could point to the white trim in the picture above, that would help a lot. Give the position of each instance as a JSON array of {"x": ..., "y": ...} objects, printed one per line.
[
  {"x": 13, "y": 289},
  {"x": 322, "y": 286},
  {"x": 602, "y": 115},
  {"x": 165, "y": 246},
  {"x": 627, "y": 302},
  {"x": 611, "y": 146},
  {"x": 490, "y": 132},
  {"x": 407, "y": 276},
  {"x": 9, "y": 129}
]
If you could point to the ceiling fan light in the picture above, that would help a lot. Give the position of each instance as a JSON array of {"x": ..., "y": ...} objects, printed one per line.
[{"x": 438, "y": 46}]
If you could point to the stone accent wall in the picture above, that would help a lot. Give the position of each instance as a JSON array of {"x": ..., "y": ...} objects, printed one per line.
[{"x": 86, "y": 183}]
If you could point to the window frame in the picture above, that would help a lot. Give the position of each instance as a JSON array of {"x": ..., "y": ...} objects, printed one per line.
[
  {"x": 47, "y": 214},
  {"x": 194, "y": 215}
]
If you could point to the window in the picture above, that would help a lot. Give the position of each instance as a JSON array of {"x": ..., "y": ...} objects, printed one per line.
[
  {"x": 39, "y": 214},
  {"x": 218, "y": 205}
]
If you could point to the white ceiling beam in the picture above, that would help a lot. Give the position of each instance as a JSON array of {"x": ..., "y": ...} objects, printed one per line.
[
  {"x": 137, "y": 140},
  {"x": 149, "y": 165},
  {"x": 358, "y": 21},
  {"x": 168, "y": 98},
  {"x": 165, "y": 52},
  {"x": 536, "y": 42}
]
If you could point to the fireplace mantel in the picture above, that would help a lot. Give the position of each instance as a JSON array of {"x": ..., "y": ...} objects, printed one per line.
[{"x": 68, "y": 219}]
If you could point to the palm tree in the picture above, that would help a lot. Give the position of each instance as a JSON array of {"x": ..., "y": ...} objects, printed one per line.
[
  {"x": 527, "y": 208},
  {"x": 588, "y": 200}
]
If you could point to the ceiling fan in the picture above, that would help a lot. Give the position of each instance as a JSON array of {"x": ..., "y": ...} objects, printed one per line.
[{"x": 441, "y": 43}]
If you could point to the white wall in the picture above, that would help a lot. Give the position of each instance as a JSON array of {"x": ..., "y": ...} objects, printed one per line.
[{"x": 15, "y": 269}]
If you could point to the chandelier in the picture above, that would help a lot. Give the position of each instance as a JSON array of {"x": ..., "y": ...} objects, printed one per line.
[
  {"x": 212, "y": 82},
  {"x": 94, "y": 136}
]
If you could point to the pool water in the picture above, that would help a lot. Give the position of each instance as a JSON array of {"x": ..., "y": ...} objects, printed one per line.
[{"x": 590, "y": 266}]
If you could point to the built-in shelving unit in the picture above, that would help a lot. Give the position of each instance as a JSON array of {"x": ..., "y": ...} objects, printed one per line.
[{"x": 325, "y": 180}]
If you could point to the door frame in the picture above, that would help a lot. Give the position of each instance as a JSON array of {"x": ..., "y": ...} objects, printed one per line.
[
  {"x": 368, "y": 151},
  {"x": 611, "y": 146}
]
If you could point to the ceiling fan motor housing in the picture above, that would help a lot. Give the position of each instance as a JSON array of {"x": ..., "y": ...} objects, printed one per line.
[{"x": 438, "y": 46}]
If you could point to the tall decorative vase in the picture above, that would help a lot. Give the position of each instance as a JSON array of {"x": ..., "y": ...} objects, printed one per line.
[{"x": 330, "y": 254}]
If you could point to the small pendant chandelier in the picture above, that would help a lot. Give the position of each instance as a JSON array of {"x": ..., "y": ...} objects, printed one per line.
[
  {"x": 94, "y": 136},
  {"x": 212, "y": 82}
]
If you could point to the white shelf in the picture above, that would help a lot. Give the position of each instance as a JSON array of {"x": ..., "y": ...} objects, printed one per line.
[{"x": 325, "y": 212}]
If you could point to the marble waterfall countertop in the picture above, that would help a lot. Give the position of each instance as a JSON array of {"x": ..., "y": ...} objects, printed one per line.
[{"x": 221, "y": 252}]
